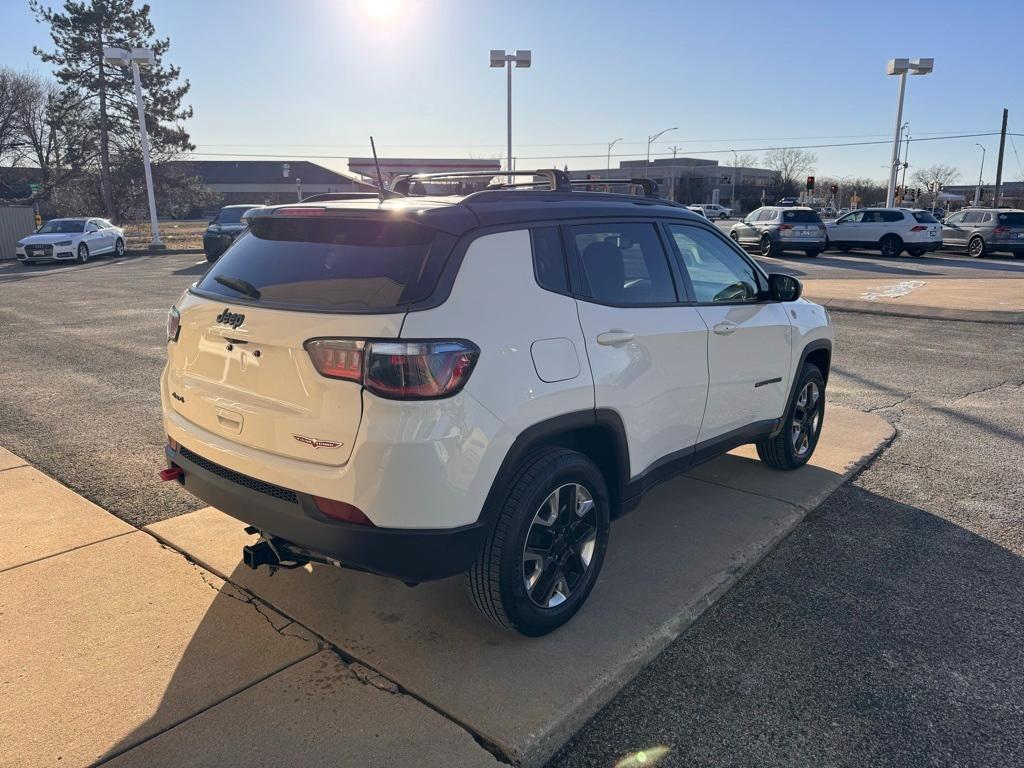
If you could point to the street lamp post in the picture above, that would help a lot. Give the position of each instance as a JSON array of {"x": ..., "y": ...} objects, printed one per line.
[
  {"x": 610, "y": 145},
  {"x": 651, "y": 139},
  {"x": 902, "y": 67},
  {"x": 502, "y": 59},
  {"x": 735, "y": 173},
  {"x": 136, "y": 57},
  {"x": 977, "y": 189}
]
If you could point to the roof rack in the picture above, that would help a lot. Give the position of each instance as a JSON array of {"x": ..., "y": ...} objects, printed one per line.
[
  {"x": 649, "y": 186},
  {"x": 555, "y": 179}
]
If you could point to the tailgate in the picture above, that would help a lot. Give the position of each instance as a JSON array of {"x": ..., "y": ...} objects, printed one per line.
[{"x": 255, "y": 385}]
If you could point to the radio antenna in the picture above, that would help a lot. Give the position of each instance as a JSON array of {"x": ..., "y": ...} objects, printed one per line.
[{"x": 380, "y": 179}]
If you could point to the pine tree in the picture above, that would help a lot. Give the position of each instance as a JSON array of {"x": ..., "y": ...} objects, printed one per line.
[{"x": 80, "y": 31}]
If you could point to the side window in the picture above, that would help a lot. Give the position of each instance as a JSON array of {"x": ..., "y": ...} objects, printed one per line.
[
  {"x": 972, "y": 217},
  {"x": 91, "y": 225},
  {"x": 549, "y": 259},
  {"x": 852, "y": 218},
  {"x": 986, "y": 217},
  {"x": 892, "y": 216},
  {"x": 623, "y": 263},
  {"x": 956, "y": 218},
  {"x": 767, "y": 214},
  {"x": 753, "y": 215},
  {"x": 871, "y": 217},
  {"x": 718, "y": 273}
]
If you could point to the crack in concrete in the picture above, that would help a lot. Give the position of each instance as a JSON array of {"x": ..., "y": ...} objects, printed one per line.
[
  {"x": 901, "y": 401},
  {"x": 1014, "y": 382}
]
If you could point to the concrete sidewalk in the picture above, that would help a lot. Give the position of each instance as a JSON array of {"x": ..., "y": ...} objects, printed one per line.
[
  {"x": 997, "y": 300},
  {"x": 115, "y": 648}
]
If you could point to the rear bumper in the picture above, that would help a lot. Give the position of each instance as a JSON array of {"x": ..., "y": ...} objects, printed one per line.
[{"x": 412, "y": 555}]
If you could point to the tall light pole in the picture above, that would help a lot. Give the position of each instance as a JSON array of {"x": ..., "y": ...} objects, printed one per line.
[
  {"x": 502, "y": 59},
  {"x": 977, "y": 189},
  {"x": 136, "y": 57},
  {"x": 610, "y": 145},
  {"x": 905, "y": 132},
  {"x": 651, "y": 139},
  {"x": 902, "y": 67},
  {"x": 735, "y": 173}
]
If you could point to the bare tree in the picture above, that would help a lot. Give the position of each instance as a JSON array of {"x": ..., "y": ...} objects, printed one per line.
[
  {"x": 943, "y": 174},
  {"x": 13, "y": 87},
  {"x": 791, "y": 164},
  {"x": 746, "y": 160}
]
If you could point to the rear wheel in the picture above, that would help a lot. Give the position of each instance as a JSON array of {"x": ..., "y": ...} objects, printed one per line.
[
  {"x": 813, "y": 252},
  {"x": 795, "y": 444},
  {"x": 915, "y": 252},
  {"x": 119, "y": 248},
  {"x": 766, "y": 247},
  {"x": 890, "y": 246},
  {"x": 83, "y": 253},
  {"x": 210, "y": 257},
  {"x": 843, "y": 248},
  {"x": 976, "y": 247},
  {"x": 547, "y": 546}
]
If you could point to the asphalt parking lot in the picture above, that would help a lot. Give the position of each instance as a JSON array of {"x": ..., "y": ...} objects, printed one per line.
[{"x": 877, "y": 633}]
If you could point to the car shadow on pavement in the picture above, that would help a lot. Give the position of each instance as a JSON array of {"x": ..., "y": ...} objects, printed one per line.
[
  {"x": 195, "y": 269},
  {"x": 876, "y": 634}
]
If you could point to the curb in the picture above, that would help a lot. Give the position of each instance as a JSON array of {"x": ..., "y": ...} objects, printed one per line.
[{"x": 922, "y": 312}]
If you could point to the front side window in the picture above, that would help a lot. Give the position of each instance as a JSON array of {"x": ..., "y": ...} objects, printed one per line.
[
  {"x": 852, "y": 218},
  {"x": 623, "y": 264},
  {"x": 719, "y": 274},
  {"x": 972, "y": 217},
  {"x": 956, "y": 218}
]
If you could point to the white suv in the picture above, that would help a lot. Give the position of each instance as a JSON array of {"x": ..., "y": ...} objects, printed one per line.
[
  {"x": 715, "y": 211},
  {"x": 887, "y": 230},
  {"x": 425, "y": 386}
]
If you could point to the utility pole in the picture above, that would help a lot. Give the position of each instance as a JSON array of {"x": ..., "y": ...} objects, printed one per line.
[
  {"x": 999, "y": 165},
  {"x": 674, "y": 149},
  {"x": 906, "y": 154}
]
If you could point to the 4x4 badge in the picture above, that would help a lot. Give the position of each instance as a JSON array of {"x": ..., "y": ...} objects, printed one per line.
[{"x": 317, "y": 443}]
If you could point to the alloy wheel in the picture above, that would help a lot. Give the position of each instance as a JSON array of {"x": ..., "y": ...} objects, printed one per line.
[
  {"x": 560, "y": 545},
  {"x": 976, "y": 247},
  {"x": 806, "y": 418},
  {"x": 83, "y": 253}
]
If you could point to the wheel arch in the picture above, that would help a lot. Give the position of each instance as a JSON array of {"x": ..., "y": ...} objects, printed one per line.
[{"x": 598, "y": 434}]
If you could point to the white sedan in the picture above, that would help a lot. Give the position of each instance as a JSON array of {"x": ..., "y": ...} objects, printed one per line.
[
  {"x": 70, "y": 239},
  {"x": 716, "y": 211}
]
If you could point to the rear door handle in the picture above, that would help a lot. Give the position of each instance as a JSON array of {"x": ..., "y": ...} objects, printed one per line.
[
  {"x": 615, "y": 337},
  {"x": 725, "y": 328}
]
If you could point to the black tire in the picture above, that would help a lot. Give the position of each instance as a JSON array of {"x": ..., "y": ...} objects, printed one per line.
[
  {"x": 976, "y": 247},
  {"x": 766, "y": 247},
  {"x": 843, "y": 248},
  {"x": 735, "y": 236},
  {"x": 119, "y": 248},
  {"x": 722, "y": 217},
  {"x": 497, "y": 581},
  {"x": 890, "y": 246},
  {"x": 915, "y": 252},
  {"x": 813, "y": 252},
  {"x": 781, "y": 451},
  {"x": 210, "y": 257},
  {"x": 83, "y": 253}
]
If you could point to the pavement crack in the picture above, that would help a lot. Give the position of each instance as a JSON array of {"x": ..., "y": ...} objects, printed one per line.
[
  {"x": 1015, "y": 383},
  {"x": 898, "y": 402},
  {"x": 369, "y": 676}
]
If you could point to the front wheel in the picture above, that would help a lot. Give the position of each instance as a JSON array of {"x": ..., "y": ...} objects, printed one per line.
[
  {"x": 795, "y": 444},
  {"x": 83, "y": 253},
  {"x": 915, "y": 252},
  {"x": 119, "y": 248},
  {"x": 735, "y": 236},
  {"x": 976, "y": 247},
  {"x": 547, "y": 546}
]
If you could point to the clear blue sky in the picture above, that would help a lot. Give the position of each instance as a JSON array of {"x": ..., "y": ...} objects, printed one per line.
[{"x": 316, "y": 77}]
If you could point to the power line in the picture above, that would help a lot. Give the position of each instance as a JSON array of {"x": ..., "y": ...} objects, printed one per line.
[{"x": 272, "y": 155}]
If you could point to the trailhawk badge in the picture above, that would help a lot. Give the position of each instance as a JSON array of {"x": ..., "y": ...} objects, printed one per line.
[{"x": 317, "y": 443}]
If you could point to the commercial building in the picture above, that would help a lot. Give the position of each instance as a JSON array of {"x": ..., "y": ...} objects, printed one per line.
[
  {"x": 392, "y": 167},
  {"x": 695, "y": 180},
  {"x": 270, "y": 181}
]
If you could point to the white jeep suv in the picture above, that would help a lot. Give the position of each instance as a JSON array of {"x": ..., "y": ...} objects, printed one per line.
[{"x": 424, "y": 386}]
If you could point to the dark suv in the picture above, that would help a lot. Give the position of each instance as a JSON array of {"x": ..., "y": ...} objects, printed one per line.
[
  {"x": 985, "y": 230},
  {"x": 224, "y": 229}
]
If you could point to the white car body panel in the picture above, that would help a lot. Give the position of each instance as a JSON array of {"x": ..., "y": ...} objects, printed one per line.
[{"x": 98, "y": 239}]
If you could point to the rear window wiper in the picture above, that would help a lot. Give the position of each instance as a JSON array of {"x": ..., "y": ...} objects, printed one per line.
[{"x": 240, "y": 285}]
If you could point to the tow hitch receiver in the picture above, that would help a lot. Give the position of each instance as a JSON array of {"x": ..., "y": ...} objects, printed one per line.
[{"x": 277, "y": 553}]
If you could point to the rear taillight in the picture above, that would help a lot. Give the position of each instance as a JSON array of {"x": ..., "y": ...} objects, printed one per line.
[
  {"x": 399, "y": 370},
  {"x": 339, "y": 510},
  {"x": 1000, "y": 230},
  {"x": 173, "y": 324},
  {"x": 785, "y": 226},
  {"x": 918, "y": 228}
]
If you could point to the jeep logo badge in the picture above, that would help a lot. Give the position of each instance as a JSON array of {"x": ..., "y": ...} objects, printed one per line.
[
  {"x": 315, "y": 443},
  {"x": 227, "y": 317}
]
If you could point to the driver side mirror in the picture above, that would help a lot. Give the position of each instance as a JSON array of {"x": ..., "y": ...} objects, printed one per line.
[{"x": 784, "y": 287}]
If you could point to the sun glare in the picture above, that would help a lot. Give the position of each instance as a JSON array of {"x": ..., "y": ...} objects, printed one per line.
[{"x": 383, "y": 12}]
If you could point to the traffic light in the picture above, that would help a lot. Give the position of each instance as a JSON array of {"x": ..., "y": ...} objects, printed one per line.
[
  {"x": 835, "y": 189},
  {"x": 810, "y": 183}
]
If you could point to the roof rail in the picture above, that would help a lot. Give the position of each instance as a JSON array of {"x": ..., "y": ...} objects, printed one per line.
[
  {"x": 556, "y": 180},
  {"x": 649, "y": 186}
]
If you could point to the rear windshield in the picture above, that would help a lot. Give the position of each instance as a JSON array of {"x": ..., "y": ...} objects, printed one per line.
[
  {"x": 801, "y": 217},
  {"x": 330, "y": 264},
  {"x": 231, "y": 215},
  {"x": 1015, "y": 219},
  {"x": 923, "y": 217}
]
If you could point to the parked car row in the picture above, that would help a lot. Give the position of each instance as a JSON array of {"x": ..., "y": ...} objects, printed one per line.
[{"x": 772, "y": 230}]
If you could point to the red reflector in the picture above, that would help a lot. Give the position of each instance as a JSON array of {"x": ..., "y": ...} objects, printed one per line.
[
  {"x": 301, "y": 212},
  {"x": 339, "y": 510},
  {"x": 171, "y": 473},
  {"x": 918, "y": 228},
  {"x": 173, "y": 443}
]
